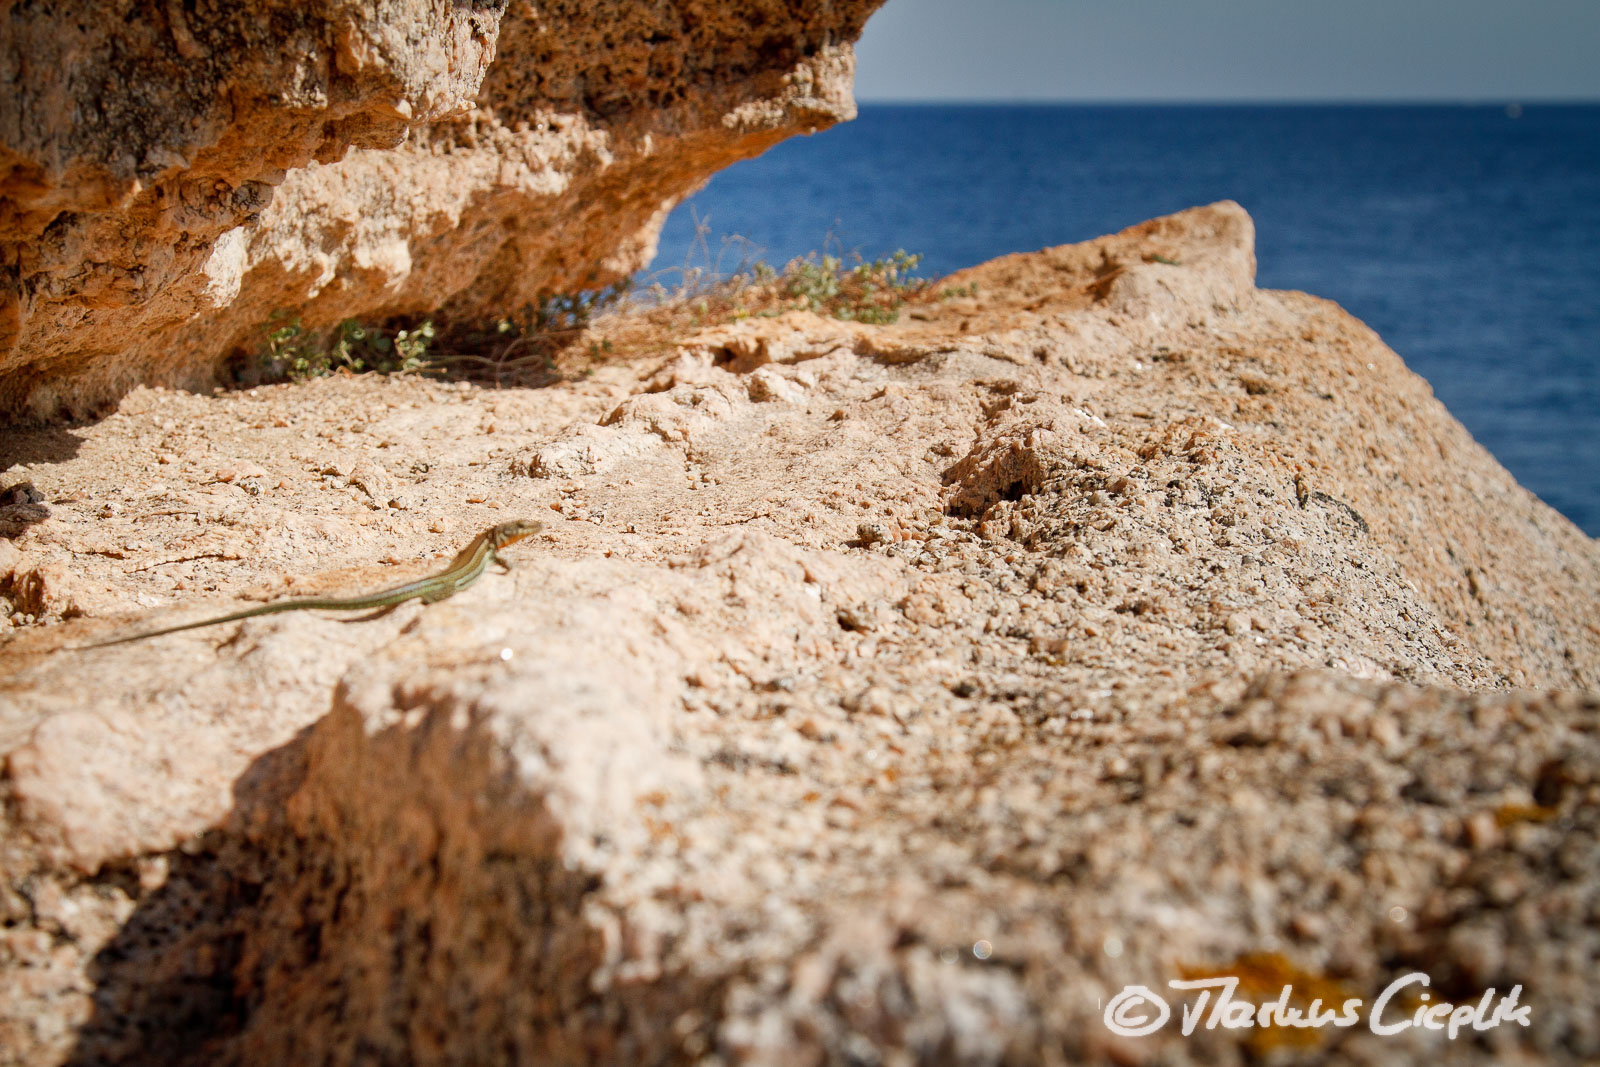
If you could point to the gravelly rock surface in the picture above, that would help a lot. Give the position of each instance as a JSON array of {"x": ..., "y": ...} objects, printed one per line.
[{"x": 878, "y": 694}]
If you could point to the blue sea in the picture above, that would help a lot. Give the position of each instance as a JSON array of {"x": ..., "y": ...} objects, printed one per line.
[{"x": 1469, "y": 237}]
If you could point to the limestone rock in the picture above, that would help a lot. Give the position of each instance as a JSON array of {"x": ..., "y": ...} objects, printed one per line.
[
  {"x": 876, "y": 694},
  {"x": 175, "y": 179}
]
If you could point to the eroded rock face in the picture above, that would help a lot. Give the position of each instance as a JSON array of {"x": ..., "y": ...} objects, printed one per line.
[
  {"x": 172, "y": 176},
  {"x": 875, "y": 694}
]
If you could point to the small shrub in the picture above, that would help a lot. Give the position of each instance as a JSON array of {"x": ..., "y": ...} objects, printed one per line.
[
  {"x": 293, "y": 352},
  {"x": 865, "y": 292}
]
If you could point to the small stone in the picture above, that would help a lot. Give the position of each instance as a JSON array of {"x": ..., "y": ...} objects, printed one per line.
[
  {"x": 1308, "y": 926},
  {"x": 872, "y": 533},
  {"x": 1483, "y": 832},
  {"x": 1384, "y": 730}
]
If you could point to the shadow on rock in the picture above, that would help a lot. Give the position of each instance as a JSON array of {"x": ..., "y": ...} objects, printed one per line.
[{"x": 398, "y": 897}]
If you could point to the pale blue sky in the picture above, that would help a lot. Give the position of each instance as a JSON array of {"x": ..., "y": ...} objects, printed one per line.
[{"x": 1177, "y": 50}]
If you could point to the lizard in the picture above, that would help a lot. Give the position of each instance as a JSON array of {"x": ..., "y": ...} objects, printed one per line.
[{"x": 465, "y": 569}]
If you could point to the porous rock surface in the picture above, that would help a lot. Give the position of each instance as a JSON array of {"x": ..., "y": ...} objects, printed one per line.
[
  {"x": 876, "y": 694},
  {"x": 178, "y": 178}
]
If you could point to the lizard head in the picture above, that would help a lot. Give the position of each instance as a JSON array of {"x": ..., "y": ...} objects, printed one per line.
[{"x": 511, "y": 532}]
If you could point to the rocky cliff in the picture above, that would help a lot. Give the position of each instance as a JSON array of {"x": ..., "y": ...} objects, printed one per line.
[
  {"x": 876, "y": 694},
  {"x": 177, "y": 177}
]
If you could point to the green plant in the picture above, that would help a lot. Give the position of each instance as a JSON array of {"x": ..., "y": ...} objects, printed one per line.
[
  {"x": 291, "y": 351},
  {"x": 838, "y": 285},
  {"x": 864, "y": 292}
]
